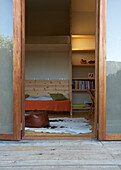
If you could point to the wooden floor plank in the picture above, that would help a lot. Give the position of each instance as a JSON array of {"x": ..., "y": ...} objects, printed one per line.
[
  {"x": 59, "y": 155},
  {"x": 64, "y": 167}
]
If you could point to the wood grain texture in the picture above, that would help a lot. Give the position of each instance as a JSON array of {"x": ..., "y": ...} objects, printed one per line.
[
  {"x": 70, "y": 78},
  {"x": 81, "y": 108},
  {"x": 16, "y": 73},
  {"x": 58, "y": 155},
  {"x": 6, "y": 136},
  {"x": 102, "y": 76},
  {"x": 16, "y": 69},
  {"x": 59, "y": 138},
  {"x": 44, "y": 87},
  {"x": 96, "y": 67},
  {"x": 23, "y": 66},
  {"x": 113, "y": 137},
  {"x": 70, "y": 58},
  {"x": 102, "y": 69}
]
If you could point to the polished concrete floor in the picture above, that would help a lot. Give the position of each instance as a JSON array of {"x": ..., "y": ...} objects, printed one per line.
[{"x": 59, "y": 154}]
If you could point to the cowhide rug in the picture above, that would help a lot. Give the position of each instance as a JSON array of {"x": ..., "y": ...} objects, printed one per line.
[{"x": 65, "y": 125}]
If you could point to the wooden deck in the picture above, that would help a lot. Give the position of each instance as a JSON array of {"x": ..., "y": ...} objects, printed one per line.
[{"x": 59, "y": 155}]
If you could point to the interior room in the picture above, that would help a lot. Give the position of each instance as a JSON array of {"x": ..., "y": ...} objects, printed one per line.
[{"x": 60, "y": 67}]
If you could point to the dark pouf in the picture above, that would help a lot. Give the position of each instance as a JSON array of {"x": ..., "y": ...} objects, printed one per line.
[{"x": 36, "y": 119}]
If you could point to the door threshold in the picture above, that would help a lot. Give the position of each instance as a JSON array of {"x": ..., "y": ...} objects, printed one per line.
[{"x": 59, "y": 138}]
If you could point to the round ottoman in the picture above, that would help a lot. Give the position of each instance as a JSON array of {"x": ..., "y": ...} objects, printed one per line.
[{"x": 36, "y": 119}]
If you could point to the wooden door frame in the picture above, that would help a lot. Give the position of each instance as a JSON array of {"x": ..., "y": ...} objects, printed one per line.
[
  {"x": 102, "y": 74},
  {"x": 23, "y": 66},
  {"x": 23, "y": 85},
  {"x": 96, "y": 67},
  {"x": 102, "y": 69},
  {"x": 16, "y": 135}
]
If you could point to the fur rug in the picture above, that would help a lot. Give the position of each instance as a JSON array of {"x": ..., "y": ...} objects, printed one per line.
[{"x": 65, "y": 125}]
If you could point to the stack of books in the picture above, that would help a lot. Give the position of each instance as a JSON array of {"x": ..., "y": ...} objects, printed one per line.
[{"x": 83, "y": 84}]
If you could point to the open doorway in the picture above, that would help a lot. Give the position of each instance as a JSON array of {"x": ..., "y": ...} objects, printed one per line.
[{"x": 60, "y": 77}]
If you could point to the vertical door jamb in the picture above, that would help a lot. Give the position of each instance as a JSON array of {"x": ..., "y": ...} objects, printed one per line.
[
  {"x": 102, "y": 69},
  {"x": 96, "y": 68},
  {"x": 23, "y": 66}
]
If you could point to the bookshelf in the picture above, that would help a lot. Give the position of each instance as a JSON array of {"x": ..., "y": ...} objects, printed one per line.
[
  {"x": 77, "y": 50},
  {"x": 83, "y": 78},
  {"x": 83, "y": 43},
  {"x": 81, "y": 90},
  {"x": 82, "y": 46},
  {"x": 81, "y": 108},
  {"x": 83, "y": 84}
]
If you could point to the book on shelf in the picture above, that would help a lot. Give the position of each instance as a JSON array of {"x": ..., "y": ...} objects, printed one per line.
[{"x": 83, "y": 84}]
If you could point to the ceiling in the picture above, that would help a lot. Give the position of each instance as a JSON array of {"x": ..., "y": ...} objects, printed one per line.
[
  {"x": 47, "y": 5},
  {"x": 61, "y": 5}
]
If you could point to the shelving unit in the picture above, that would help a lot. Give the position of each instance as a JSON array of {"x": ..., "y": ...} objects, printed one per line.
[
  {"x": 85, "y": 44},
  {"x": 83, "y": 36},
  {"x": 80, "y": 90},
  {"x": 83, "y": 78},
  {"x": 78, "y": 50},
  {"x": 81, "y": 108},
  {"x": 83, "y": 65}
]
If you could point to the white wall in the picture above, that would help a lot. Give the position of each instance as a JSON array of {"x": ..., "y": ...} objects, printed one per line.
[
  {"x": 83, "y": 17},
  {"x": 83, "y": 23},
  {"x": 44, "y": 66}
]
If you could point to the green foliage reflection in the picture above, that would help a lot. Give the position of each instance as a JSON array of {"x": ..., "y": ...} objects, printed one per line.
[{"x": 6, "y": 42}]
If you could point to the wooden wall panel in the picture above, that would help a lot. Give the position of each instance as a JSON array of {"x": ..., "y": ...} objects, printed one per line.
[{"x": 44, "y": 87}]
